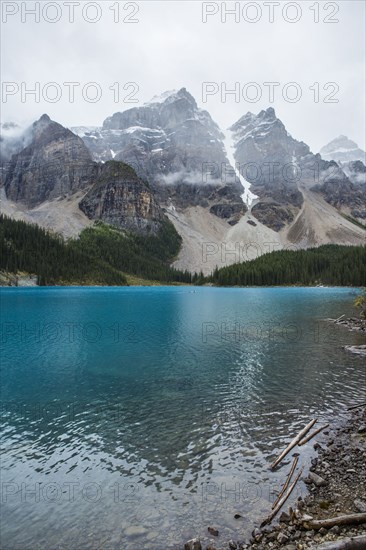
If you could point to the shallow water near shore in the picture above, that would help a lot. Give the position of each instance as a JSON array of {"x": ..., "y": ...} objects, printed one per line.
[{"x": 137, "y": 417}]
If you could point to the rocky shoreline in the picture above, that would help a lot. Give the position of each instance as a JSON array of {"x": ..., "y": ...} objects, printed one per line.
[
  {"x": 17, "y": 279},
  {"x": 336, "y": 482},
  {"x": 351, "y": 323},
  {"x": 354, "y": 324}
]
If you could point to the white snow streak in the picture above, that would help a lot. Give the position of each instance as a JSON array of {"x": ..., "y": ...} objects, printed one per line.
[{"x": 248, "y": 197}]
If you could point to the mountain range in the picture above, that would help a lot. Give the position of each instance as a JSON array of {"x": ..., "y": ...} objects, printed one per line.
[{"x": 231, "y": 194}]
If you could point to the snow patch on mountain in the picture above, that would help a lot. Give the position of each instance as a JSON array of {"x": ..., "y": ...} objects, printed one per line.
[
  {"x": 82, "y": 131},
  {"x": 230, "y": 143},
  {"x": 162, "y": 97}
]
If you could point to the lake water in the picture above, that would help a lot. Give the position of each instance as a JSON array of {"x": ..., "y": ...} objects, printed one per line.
[{"x": 135, "y": 418}]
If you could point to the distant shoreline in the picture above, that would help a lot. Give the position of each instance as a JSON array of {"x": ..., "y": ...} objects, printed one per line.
[{"x": 9, "y": 280}]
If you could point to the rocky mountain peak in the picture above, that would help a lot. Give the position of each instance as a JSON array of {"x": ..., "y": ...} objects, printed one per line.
[
  {"x": 263, "y": 143},
  {"x": 342, "y": 149},
  {"x": 264, "y": 125},
  {"x": 54, "y": 162},
  {"x": 285, "y": 168},
  {"x": 171, "y": 143},
  {"x": 44, "y": 118},
  {"x": 45, "y": 130},
  {"x": 162, "y": 112},
  {"x": 172, "y": 96},
  {"x": 267, "y": 113}
]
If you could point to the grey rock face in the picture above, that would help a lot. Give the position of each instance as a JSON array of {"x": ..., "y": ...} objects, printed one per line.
[
  {"x": 268, "y": 157},
  {"x": 55, "y": 163},
  {"x": 278, "y": 167},
  {"x": 175, "y": 146},
  {"x": 119, "y": 197},
  {"x": 342, "y": 149}
]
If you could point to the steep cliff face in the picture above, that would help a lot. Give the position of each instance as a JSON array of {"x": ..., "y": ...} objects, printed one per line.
[
  {"x": 54, "y": 164},
  {"x": 119, "y": 197},
  {"x": 178, "y": 148}
]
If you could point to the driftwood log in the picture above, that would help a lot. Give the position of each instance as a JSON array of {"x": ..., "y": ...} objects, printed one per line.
[
  {"x": 290, "y": 474},
  {"x": 293, "y": 443},
  {"x": 356, "y": 406},
  {"x": 350, "y": 543},
  {"x": 282, "y": 500},
  {"x": 310, "y": 436},
  {"x": 350, "y": 519}
]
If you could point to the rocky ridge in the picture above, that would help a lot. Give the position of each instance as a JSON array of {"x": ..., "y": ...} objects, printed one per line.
[
  {"x": 56, "y": 165},
  {"x": 279, "y": 168}
]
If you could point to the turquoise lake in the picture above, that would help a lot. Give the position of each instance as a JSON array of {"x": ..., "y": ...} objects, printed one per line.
[{"x": 137, "y": 417}]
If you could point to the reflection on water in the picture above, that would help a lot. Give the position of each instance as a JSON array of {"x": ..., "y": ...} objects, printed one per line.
[{"x": 137, "y": 417}]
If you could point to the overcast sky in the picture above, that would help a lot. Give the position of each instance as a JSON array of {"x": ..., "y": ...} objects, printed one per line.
[{"x": 170, "y": 47}]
